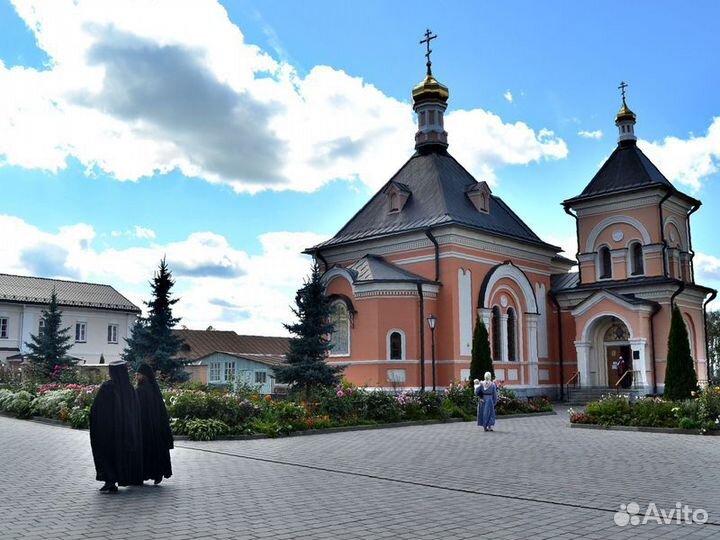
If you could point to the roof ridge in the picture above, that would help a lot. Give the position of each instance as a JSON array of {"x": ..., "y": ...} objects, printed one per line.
[{"x": 59, "y": 279}]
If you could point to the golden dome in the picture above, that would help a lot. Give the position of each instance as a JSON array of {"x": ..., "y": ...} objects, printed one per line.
[
  {"x": 430, "y": 88},
  {"x": 625, "y": 113}
]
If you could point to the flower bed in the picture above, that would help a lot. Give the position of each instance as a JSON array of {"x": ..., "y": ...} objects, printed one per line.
[
  {"x": 65, "y": 402},
  {"x": 701, "y": 413},
  {"x": 204, "y": 413}
]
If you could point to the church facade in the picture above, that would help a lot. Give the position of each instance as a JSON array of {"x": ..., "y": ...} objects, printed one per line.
[{"x": 434, "y": 251}]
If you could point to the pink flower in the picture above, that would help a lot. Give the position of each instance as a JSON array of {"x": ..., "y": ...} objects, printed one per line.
[{"x": 340, "y": 393}]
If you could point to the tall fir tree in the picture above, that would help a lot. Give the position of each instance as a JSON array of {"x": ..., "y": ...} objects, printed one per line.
[
  {"x": 713, "y": 341},
  {"x": 481, "y": 360},
  {"x": 305, "y": 366},
  {"x": 152, "y": 340},
  {"x": 49, "y": 348},
  {"x": 680, "y": 376}
]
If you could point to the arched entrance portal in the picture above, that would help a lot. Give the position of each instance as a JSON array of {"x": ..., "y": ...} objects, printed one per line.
[{"x": 610, "y": 351}]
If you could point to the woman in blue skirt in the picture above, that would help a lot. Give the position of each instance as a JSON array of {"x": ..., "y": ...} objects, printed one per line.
[{"x": 487, "y": 392}]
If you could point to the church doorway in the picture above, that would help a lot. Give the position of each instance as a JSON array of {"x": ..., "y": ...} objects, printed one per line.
[
  {"x": 618, "y": 359},
  {"x": 608, "y": 340},
  {"x": 617, "y": 353}
]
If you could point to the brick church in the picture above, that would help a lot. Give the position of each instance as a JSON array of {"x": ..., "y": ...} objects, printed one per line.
[{"x": 434, "y": 250}]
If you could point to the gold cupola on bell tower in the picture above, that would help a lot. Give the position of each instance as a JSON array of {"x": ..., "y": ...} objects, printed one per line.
[{"x": 429, "y": 103}]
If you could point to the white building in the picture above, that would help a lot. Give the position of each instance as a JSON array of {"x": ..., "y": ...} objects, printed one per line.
[{"x": 99, "y": 318}]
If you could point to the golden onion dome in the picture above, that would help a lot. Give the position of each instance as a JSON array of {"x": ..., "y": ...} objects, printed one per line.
[
  {"x": 625, "y": 113},
  {"x": 430, "y": 88}
]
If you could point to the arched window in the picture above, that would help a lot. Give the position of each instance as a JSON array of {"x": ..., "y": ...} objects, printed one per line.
[
  {"x": 396, "y": 346},
  {"x": 496, "y": 348},
  {"x": 605, "y": 262},
  {"x": 340, "y": 335},
  {"x": 511, "y": 331},
  {"x": 637, "y": 265}
]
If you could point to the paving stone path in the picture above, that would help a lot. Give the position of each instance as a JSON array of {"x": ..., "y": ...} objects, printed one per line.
[{"x": 531, "y": 478}]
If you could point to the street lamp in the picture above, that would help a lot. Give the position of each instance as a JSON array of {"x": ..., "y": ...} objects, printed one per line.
[{"x": 432, "y": 321}]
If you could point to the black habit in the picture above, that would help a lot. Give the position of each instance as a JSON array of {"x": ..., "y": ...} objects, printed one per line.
[
  {"x": 157, "y": 435},
  {"x": 115, "y": 430}
]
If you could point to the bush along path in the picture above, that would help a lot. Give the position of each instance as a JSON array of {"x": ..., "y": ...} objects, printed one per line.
[
  {"x": 701, "y": 412},
  {"x": 204, "y": 413}
]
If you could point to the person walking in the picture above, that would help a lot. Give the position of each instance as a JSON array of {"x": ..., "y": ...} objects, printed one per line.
[
  {"x": 487, "y": 392},
  {"x": 156, "y": 432},
  {"x": 116, "y": 432}
]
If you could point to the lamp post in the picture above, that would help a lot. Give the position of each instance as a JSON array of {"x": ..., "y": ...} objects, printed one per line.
[{"x": 432, "y": 321}]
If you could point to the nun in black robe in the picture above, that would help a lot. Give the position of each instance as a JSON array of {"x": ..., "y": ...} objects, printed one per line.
[
  {"x": 116, "y": 432},
  {"x": 157, "y": 435}
]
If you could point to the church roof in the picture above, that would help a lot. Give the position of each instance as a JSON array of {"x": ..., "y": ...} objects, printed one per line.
[
  {"x": 375, "y": 268},
  {"x": 627, "y": 169},
  {"x": 438, "y": 185},
  {"x": 36, "y": 290}
]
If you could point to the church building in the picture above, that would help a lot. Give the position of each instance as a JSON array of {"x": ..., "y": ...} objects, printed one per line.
[{"x": 435, "y": 250}]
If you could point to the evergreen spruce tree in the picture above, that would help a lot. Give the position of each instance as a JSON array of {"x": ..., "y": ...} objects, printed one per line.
[
  {"x": 152, "y": 340},
  {"x": 102, "y": 359},
  {"x": 49, "y": 349},
  {"x": 305, "y": 366},
  {"x": 481, "y": 360},
  {"x": 680, "y": 376}
]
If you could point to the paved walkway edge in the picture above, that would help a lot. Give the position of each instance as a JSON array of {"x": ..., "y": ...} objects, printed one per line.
[
  {"x": 645, "y": 429},
  {"x": 325, "y": 431}
]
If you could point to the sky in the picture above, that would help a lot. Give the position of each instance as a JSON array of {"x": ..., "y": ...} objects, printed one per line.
[{"x": 229, "y": 136}]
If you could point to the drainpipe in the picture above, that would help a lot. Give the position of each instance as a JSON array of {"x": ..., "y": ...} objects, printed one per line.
[
  {"x": 319, "y": 255},
  {"x": 577, "y": 239},
  {"x": 695, "y": 208},
  {"x": 422, "y": 336},
  {"x": 437, "y": 253},
  {"x": 707, "y": 344},
  {"x": 560, "y": 346},
  {"x": 662, "y": 235}
]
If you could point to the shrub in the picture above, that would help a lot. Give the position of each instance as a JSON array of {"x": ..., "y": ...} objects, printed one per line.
[
  {"x": 380, "y": 407},
  {"x": 226, "y": 408},
  {"x": 50, "y": 403},
  {"x": 79, "y": 417},
  {"x": 272, "y": 428},
  {"x": 19, "y": 404},
  {"x": 205, "y": 429},
  {"x": 609, "y": 410}
]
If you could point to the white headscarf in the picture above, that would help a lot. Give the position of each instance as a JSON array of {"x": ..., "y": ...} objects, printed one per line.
[{"x": 487, "y": 381}]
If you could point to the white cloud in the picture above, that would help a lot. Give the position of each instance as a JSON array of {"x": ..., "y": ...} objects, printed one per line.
[
  {"x": 508, "y": 96},
  {"x": 217, "y": 284},
  {"x": 687, "y": 161},
  {"x": 137, "y": 89},
  {"x": 707, "y": 272},
  {"x": 136, "y": 232},
  {"x": 487, "y": 142},
  {"x": 597, "y": 134}
]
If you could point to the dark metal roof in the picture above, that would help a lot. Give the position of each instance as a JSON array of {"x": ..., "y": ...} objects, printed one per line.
[
  {"x": 565, "y": 283},
  {"x": 627, "y": 169},
  {"x": 201, "y": 343},
  {"x": 438, "y": 185},
  {"x": 375, "y": 268},
  {"x": 35, "y": 290}
]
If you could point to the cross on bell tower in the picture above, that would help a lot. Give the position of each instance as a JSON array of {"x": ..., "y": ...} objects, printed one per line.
[
  {"x": 625, "y": 120},
  {"x": 428, "y": 38}
]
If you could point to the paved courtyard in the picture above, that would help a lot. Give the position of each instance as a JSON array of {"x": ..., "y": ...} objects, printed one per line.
[{"x": 532, "y": 478}]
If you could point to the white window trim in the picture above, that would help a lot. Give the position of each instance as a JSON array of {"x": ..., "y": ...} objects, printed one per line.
[
  {"x": 630, "y": 258},
  {"x": 263, "y": 372},
  {"x": 117, "y": 327},
  {"x": 349, "y": 333},
  {"x": 598, "y": 264},
  {"x": 84, "y": 332},
  {"x": 403, "y": 342},
  {"x": 219, "y": 372}
]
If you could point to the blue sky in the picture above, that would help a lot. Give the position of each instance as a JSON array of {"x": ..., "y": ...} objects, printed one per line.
[{"x": 230, "y": 136}]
